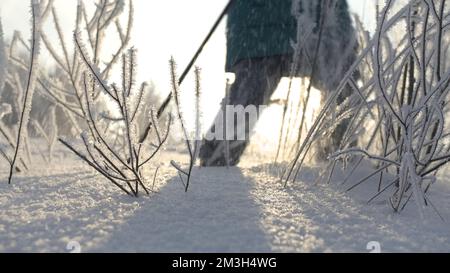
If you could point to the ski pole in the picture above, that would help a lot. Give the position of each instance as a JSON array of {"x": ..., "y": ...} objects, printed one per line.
[
  {"x": 189, "y": 66},
  {"x": 197, "y": 54}
]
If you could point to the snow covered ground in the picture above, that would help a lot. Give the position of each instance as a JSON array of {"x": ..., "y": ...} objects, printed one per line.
[{"x": 226, "y": 210}]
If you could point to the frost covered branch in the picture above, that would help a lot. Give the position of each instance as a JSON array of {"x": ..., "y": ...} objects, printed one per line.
[
  {"x": 397, "y": 114},
  {"x": 123, "y": 167},
  {"x": 191, "y": 147},
  {"x": 31, "y": 82}
]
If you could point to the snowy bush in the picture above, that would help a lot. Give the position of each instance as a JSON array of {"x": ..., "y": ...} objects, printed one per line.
[
  {"x": 119, "y": 129},
  {"x": 397, "y": 111},
  {"x": 122, "y": 167},
  {"x": 115, "y": 142}
]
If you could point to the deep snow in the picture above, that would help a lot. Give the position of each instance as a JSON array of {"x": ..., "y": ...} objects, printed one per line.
[{"x": 226, "y": 210}]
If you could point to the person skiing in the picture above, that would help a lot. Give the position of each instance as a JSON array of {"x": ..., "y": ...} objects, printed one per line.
[{"x": 260, "y": 34}]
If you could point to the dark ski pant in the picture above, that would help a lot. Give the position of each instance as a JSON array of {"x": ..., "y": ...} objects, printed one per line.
[{"x": 255, "y": 81}]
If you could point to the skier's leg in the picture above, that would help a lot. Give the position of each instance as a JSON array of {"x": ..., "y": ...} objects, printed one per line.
[{"x": 256, "y": 80}]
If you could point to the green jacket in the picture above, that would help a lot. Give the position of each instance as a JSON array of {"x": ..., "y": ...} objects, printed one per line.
[{"x": 261, "y": 28}]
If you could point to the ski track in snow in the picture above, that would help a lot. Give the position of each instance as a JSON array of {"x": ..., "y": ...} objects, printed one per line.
[{"x": 234, "y": 210}]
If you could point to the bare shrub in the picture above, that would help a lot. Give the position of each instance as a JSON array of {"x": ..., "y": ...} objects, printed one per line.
[
  {"x": 397, "y": 111},
  {"x": 192, "y": 146},
  {"x": 122, "y": 167}
]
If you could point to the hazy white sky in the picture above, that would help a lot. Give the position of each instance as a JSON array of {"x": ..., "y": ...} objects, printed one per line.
[
  {"x": 165, "y": 28},
  {"x": 162, "y": 27}
]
